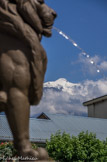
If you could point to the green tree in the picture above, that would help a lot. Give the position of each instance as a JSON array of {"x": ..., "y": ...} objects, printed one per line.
[{"x": 83, "y": 148}]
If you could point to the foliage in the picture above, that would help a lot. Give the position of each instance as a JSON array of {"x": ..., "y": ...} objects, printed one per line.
[
  {"x": 7, "y": 150},
  {"x": 61, "y": 147},
  {"x": 34, "y": 146},
  {"x": 83, "y": 148}
]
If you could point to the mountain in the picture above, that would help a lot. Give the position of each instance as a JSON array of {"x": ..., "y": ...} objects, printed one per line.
[
  {"x": 65, "y": 86},
  {"x": 61, "y": 85},
  {"x": 62, "y": 96},
  {"x": 87, "y": 89}
]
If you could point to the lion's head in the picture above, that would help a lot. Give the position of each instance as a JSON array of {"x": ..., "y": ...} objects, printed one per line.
[{"x": 38, "y": 15}]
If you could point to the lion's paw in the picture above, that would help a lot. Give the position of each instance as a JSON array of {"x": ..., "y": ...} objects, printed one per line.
[
  {"x": 34, "y": 155},
  {"x": 43, "y": 154}
]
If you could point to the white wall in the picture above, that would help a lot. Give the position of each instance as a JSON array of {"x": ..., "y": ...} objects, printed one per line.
[{"x": 98, "y": 110}]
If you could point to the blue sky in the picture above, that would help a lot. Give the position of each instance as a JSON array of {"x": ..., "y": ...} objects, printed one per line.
[{"x": 85, "y": 21}]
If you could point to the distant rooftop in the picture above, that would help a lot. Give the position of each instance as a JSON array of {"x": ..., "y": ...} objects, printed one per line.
[
  {"x": 95, "y": 100},
  {"x": 41, "y": 129}
]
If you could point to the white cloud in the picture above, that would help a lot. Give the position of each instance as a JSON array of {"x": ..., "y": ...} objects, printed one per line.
[
  {"x": 64, "y": 101},
  {"x": 103, "y": 65},
  {"x": 93, "y": 64},
  {"x": 89, "y": 64}
]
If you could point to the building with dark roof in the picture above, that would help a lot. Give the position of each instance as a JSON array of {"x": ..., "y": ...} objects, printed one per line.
[
  {"x": 41, "y": 129},
  {"x": 97, "y": 108}
]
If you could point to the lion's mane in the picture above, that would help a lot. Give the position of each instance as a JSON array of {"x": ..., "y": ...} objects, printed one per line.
[{"x": 16, "y": 20}]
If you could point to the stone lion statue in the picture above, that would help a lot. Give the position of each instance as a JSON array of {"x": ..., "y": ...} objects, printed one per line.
[{"x": 22, "y": 65}]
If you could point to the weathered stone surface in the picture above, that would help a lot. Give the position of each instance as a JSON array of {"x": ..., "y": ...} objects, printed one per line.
[{"x": 23, "y": 64}]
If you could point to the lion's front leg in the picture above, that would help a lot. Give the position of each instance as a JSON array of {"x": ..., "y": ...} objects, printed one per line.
[{"x": 17, "y": 112}]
